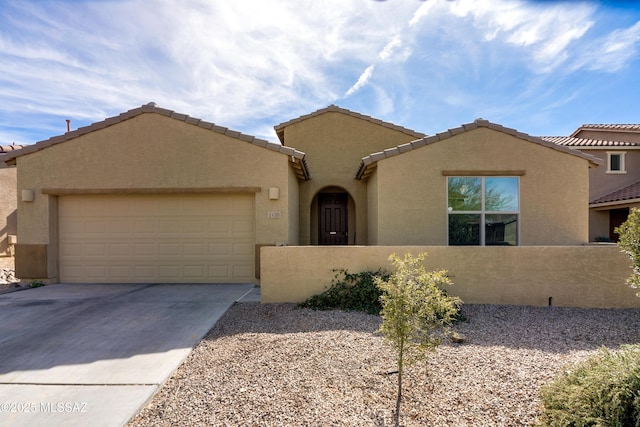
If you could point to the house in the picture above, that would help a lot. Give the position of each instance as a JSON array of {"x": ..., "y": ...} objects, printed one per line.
[
  {"x": 8, "y": 214},
  {"x": 155, "y": 196},
  {"x": 615, "y": 187}
]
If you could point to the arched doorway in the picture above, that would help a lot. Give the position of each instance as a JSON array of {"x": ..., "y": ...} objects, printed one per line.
[{"x": 333, "y": 217}]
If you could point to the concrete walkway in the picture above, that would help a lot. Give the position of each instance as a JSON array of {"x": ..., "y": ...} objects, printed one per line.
[{"x": 93, "y": 355}]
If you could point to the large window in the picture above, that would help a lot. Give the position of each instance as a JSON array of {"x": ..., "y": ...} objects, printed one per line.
[{"x": 483, "y": 210}]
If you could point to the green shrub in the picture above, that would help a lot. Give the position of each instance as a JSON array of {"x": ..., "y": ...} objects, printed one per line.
[
  {"x": 350, "y": 291},
  {"x": 36, "y": 283},
  {"x": 602, "y": 391},
  {"x": 629, "y": 243}
]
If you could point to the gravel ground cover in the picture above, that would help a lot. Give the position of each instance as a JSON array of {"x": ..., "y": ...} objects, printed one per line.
[{"x": 281, "y": 365}]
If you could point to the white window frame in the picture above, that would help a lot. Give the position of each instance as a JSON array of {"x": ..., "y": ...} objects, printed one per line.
[
  {"x": 623, "y": 168},
  {"x": 482, "y": 212}
]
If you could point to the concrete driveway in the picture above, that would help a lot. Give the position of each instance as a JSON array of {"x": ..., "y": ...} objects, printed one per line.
[{"x": 91, "y": 354}]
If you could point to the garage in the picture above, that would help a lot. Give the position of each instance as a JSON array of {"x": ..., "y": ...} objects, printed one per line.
[{"x": 156, "y": 238}]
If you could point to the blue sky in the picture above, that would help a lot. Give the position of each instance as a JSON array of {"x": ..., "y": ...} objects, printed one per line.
[{"x": 542, "y": 67}]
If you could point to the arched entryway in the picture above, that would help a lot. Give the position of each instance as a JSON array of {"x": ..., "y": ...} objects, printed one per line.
[{"x": 333, "y": 217}]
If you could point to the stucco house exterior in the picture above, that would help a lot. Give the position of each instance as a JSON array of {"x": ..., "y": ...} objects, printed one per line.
[
  {"x": 8, "y": 213},
  {"x": 614, "y": 187},
  {"x": 156, "y": 196}
]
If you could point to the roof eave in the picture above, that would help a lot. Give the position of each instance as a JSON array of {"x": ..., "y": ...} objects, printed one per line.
[
  {"x": 370, "y": 160},
  {"x": 279, "y": 128},
  {"x": 148, "y": 108},
  {"x": 614, "y": 203}
]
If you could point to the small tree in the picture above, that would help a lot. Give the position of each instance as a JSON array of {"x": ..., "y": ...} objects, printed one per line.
[
  {"x": 415, "y": 312},
  {"x": 629, "y": 242}
]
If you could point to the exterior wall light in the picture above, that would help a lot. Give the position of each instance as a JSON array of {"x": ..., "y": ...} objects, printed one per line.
[
  {"x": 274, "y": 193},
  {"x": 28, "y": 195}
]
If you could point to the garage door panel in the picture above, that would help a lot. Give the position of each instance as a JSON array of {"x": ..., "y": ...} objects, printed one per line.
[
  {"x": 242, "y": 249},
  {"x": 195, "y": 227},
  {"x": 242, "y": 270},
  {"x": 143, "y": 249},
  {"x": 119, "y": 272},
  {"x": 142, "y": 227},
  {"x": 159, "y": 238},
  {"x": 96, "y": 249},
  {"x": 120, "y": 249},
  {"x": 219, "y": 271}
]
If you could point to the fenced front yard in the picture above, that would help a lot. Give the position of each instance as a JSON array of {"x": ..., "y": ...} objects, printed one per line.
[{"x": 567, "y": 276}]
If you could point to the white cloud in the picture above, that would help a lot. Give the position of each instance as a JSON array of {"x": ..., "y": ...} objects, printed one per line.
[
  {"x": 613, "y": 51},
  {"x": 244, "y": 63},
  {"x": 362, "y": 80},
  {"x": 543, "y": 31},
  {"x": 229, "y": 62},
  {"x": 390, "y": 47},
  {"x": 422, "y": 11}
]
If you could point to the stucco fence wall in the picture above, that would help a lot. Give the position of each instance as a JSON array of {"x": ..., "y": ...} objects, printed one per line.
[
  {"x": 7, "y": 262},
  {"x": 572, "y": 276}
]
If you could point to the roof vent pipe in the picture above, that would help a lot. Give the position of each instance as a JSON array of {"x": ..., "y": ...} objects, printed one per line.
[{"x": 68, "y": 125}]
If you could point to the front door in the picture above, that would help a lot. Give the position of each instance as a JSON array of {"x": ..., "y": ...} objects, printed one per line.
[
  {"x": 616, "y": 218},
  {"x": 332, "y": 219}
]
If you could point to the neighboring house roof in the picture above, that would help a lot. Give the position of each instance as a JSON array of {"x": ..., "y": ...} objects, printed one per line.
[
  {"x": 608, "y": 127},
  {"x": 368, "y": 162},
  {"x": 334, "y": 108},
  {"x": 297, "y": 158},
  {"x": 9, "y": 148},
  {"x": 582, "y": 143},
  {"x": 623, "y": 195}
]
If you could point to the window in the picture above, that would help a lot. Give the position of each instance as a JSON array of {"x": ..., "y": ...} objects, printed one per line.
[
  {"x": 615, "y": 162},
  {"x": 483, "y": 210}
]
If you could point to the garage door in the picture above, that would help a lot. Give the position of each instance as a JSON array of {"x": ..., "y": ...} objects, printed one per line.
[{"x": 156, "y": 238}]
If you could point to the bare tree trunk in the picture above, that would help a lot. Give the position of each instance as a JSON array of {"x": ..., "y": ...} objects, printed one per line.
[{"x": 399, "y": 396}]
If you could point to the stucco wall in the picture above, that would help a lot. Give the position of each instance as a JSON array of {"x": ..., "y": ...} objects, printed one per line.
[
  {"x": 602, "y": 183},
  {"x": 8, "y": 209},
  {"x": 334, "y": 144},
  {"x": 293, "y": 216},
  {"x": 151, "y": 151},
  {"x": 412, "y": 190},
  {"x": 578, "y": 276},
  {"x": 598, "y": 224},
  {"x": 372, "y": 206}
]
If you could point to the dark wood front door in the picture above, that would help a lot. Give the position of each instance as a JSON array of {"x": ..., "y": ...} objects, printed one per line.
[
  {"x": 332, "y": 219},
  {"x": 616, "y": 218}
]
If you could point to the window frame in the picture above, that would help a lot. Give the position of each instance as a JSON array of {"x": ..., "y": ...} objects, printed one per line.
[
  {"x": 623, "y": 168},
  {"x": 483, "y": 212}
]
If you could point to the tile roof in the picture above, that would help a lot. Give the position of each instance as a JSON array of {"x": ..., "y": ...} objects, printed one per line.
[
  {"x": 9, "y": 148},
  {"x": 368, "y": 162},
  {"x": 570, "y": 141},
  {"x": 628, "y": 193},
  {"x": 301, "y": 170},
  {"x": 611, "y": 127},
  {"x": 334, "y": 108}
]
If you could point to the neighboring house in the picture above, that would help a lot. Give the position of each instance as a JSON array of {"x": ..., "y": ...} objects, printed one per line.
[
  {"x": 8, "y": 203},
  {"x": 156, "y": 196},
  {"x": 615, "y": 187}
]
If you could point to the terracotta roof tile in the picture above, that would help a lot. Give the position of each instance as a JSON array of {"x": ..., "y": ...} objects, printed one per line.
[
  {"x": 627, "y": 193},
  {"x": 370, "y": 160},
  {"x": 9, "y": 148},
  {"x": 151, "y": 108},
  {"x": 615, "y": 127},
  {"x": 334, "y": 108},
  {"x": 205, "y": 125},
  {"x": 570, "y": 141},
  {"x": 405, "y": 147}
]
